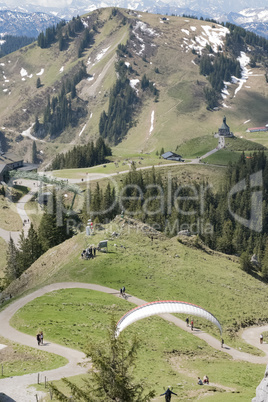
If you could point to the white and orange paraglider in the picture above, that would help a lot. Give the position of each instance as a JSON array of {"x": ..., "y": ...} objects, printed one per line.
[{"x": 164, "y": 307}]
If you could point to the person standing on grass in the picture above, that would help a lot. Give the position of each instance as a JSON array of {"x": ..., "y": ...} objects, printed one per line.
[
  {"x": 38, "y": 338},
  {"x": 192, "y": 325},
  {"x": 168, "y": 394}
]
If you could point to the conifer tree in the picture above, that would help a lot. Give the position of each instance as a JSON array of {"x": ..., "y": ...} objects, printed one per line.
[
  {"x": 112, "y": 378},
  {"x": 264, "y": 266},
  {"x": 38, "y": 82},
  {"x": 34, "y": 153},
  {"x": 12, "y": 270}
]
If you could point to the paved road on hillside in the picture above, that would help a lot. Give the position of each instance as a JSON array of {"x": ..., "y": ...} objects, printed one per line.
[
  {"x": 16, "y": 387},
  {"x": 20, "y": 209},
  {"x": 99, "y": 176}
]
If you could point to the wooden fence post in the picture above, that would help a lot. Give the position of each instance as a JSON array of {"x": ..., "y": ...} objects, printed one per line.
[{"x": 51, "y": 393}]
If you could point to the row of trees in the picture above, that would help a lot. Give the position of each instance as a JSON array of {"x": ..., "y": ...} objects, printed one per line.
[
  {"x": 123, "y": 101},
  {"x": 58, "y": 113},
  {"x": 45, "y": 39},
  {"x": 218, "y": 69},
  {"x": 53, "y": 230},
  {"x": 85, "y": 41},
  {"x": 63, "y": 35},
  {"x": 170, "y": 206},
  {"x": 239, "y": 35},
  {"x": 114, "y": 124},
  {"x": 83, "y": 156}
]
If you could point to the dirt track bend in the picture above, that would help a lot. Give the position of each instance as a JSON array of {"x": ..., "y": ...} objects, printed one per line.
[{"x": 16, "y": 387}]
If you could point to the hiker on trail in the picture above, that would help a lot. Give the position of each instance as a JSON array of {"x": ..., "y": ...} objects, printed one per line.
[
  {"x": 192, "y": 325},
  {"x": 222, "y": 343},
  {"x": 123, "y": 290},
  {"x": 261, "y": 338},
  {"x": 41, "y": 338},
  {"x": 187, "y": 321},
  {"x": 38, "y": 338},
  {"x": 168, "y": 394}
]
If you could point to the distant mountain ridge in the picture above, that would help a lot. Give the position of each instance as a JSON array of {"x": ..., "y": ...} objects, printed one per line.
[
  {"x": 249, "y": 14},
  {"x": 22, "y": 24}
]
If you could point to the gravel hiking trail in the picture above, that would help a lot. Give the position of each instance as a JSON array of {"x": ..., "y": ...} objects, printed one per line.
[{"x": 17, "y": 388}]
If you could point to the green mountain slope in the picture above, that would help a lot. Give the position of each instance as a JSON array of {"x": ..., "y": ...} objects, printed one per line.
[
  {"x": 209, "y": 279},
  {"x": 166, "y": 50}
]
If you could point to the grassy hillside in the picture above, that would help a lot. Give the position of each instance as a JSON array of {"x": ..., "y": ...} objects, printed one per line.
[
  {"x": 136, "y": 261},
  {"x": 209, "y": 279}
]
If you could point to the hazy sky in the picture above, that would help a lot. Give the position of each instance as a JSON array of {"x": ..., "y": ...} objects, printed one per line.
[{"x": 44, "y": 3}]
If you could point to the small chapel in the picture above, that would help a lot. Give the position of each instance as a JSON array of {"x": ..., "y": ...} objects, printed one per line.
[{"x": 224, "y": 130}]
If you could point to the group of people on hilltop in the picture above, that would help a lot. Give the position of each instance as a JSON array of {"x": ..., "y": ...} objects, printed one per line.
[
  {"x": 89, "y": 252},
  {"x": 40, "y": 338}
]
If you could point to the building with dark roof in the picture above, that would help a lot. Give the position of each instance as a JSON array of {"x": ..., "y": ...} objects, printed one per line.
[
  {"x": 9, "y": 161},
  {"x": 171, "y": 156},
  {"x": 224, "y": 130}
]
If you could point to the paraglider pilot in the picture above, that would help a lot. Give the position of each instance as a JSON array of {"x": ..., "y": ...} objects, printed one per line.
[{"x": 168, "y": 394}]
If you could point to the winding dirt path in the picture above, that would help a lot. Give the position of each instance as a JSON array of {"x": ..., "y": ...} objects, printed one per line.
[{"x": 16, "y": 387}]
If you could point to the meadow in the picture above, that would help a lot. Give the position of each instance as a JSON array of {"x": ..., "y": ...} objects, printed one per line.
[{"x": 168, "y": 355}]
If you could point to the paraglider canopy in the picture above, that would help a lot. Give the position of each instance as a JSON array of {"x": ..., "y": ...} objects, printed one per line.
[{"x": 162, "y": 307}]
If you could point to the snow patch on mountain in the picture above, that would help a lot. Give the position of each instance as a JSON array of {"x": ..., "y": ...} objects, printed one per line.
[
  {"x": 152, "y": 123},
  {"x": 133, "y": 84},
  {"x": 213, "y": 37},
  {"x": 142, "y": 29},
  {"x": 244, "y": 61},
  {"x": 101, "y": 54},
  {"x": 185, "y": 31},
  {"x": 41, "y": 72}
]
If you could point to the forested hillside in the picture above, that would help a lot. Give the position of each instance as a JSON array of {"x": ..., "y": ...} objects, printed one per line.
[{"x": 170, "y": 206}]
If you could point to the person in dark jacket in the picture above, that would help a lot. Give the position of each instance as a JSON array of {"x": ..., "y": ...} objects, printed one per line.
[{"x": 168, "y": 394}]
